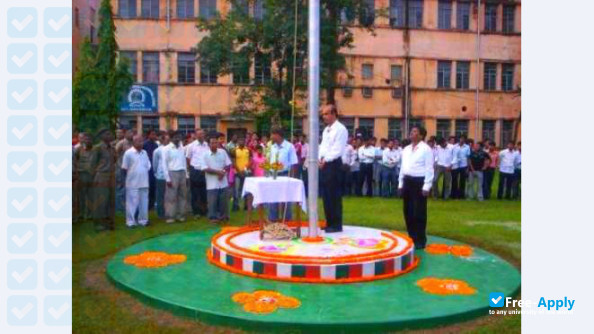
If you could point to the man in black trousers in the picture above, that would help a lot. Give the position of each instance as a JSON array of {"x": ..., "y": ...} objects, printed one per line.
[
  {"x": 334, "y": 141},
  {"x": 415, "y": 180}
]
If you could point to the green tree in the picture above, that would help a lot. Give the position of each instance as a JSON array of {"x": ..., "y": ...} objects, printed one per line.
[
  {"x": 241, "y": 37},
  {"x": 101, "y": 80}
]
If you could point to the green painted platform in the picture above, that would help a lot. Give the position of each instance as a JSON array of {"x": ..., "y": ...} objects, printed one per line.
[{"x": 202, "y": 291}]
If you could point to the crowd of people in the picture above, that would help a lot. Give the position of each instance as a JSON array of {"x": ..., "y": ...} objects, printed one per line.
[{"x": 202, "y": 174}]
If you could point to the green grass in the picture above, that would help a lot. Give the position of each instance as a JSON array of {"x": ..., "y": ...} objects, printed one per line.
[{"x": 492, "y": 225}]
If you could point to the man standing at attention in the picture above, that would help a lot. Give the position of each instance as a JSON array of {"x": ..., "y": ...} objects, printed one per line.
[
  {"x": 366, "y": 158},
  {"x": 150, "y": 145},
  {"x": 242, "y": 164},
  {"x": 174, "y": 168},
  {"x": 416, "y": 178},
  {"x": 216, "y": 167},
  {"x": 462, "y": 151},
  {"x": 197, "y": 178},
  {"x": 160, "y": 176},
  {"x": 506, "y": 171},
  {"x": 390, "y": 160},
  {"x": 334, "y": 141},
  {"x": 137, "y": 165},
  {"x": 443, "y": 166},
  {"x": 478, "y": 162},
  {"x": 120, "y": 148},
  {"x": 102, "y": 169},
  {"x": 284, "y": 152}
]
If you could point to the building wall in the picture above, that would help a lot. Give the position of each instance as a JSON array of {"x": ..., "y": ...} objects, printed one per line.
[
  {"x": 84, "y": 16},
  {"x": 420, "y": 48}
]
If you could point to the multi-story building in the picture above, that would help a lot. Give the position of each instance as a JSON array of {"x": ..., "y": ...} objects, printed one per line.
[
  {"x": 84, "y": 24},
  {"x": 424, "y": 63}
]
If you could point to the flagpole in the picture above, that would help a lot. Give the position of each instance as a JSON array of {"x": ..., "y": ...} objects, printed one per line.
[{"x": 313, "y": 103}]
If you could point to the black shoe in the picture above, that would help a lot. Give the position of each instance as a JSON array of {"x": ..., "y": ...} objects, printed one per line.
[
  {"x": 418, "y": 247},
  {"x": 333, "y": 229}
]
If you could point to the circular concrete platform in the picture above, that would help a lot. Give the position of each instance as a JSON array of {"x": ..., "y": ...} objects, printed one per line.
[{"x": 190, "y": 286}]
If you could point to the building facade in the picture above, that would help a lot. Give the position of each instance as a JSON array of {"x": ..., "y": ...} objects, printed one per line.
[
  {"x": 84, "y": 24},
  {"x": 425, "y": 63}
]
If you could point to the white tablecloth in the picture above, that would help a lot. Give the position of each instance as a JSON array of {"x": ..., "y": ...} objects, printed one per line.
[{"x": 283, "y": 189}]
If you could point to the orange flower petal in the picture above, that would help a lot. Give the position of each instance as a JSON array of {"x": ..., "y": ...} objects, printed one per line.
[
  {"x": 461, "y": 250},
  {"x": 437, "y": 249}
]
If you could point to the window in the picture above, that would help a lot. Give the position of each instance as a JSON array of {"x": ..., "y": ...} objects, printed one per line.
[
  {"x": 367, "y": 14},
  {"x": 186, "y": 124},
  {"x": 262, "y": 68},
  {"x": 509, "y": 19},
  {"x": 415, "y": 122},
  {"x": 150, "y": 67},
  {"x": 242, "y": 6},
  {"x": 207, "y": 75},
  {"x": 207, "y": 8},
  {"x": 444, "y": 74},
  {"x": 259, "y": 10},
  {"x": 507, "y": 132},
  {"x": 463, "y": 15},
  {"x": 131, "y": 56},
  {"x": 461, "y": 127},
  {"x": 347, "y": 91},
  {"x": 185, "y": 9},
  {"x": 396, "y": 13},
  {"x": 488, "y": 130},
  {"x": 150, "y": 123},
  {"x": 443, "y": 128},
  {"x": 208, "y": 123},
  {"x": 127, "y": 8},
  {"x": 367, "y": 92},
  {"x": 367, "y": 71},
  {"x": 347, "y": 15},
  {"x": 397, "y": 92},
  {"x": 76, "y": 17},
  {"x": 395, "y": 128},
  {"x": 127, "y": 122},
  {"x": 396, "y": 74},
  {"x": 241, "y": 72},
  {"x": 150, "y": 8},
  {"x": 186, "y": 67},
  {"x": 349, "y": 124},
  {"x": 462, "y": 74},
  {"x": 366, "y": 126},
  {"x": 507, "y": 77},
  {"x": 444, "y": 20},
  {"x": 490, "y": 76},
  {"x": 491, "y": 17},
  {"x": 415, "y": 13}
]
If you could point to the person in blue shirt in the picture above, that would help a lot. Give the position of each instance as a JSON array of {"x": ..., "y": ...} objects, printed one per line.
[
  {"x": 284, "y": 152},
  {"x": 460, "y": 173}
]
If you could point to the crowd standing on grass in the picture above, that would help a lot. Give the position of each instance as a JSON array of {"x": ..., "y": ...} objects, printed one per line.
[{"x": 202, "y": 174}]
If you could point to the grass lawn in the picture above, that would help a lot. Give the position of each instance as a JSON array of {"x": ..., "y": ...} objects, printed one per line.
[{"x": 101, "y": 308}]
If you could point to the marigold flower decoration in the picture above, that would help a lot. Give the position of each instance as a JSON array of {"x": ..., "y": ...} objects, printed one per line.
[
  {"x": 445, "y": 286},
  {"x": 154, "y": 259},
  {"x": 456, "y": 250},
  {"x": 264, "y": 301}
]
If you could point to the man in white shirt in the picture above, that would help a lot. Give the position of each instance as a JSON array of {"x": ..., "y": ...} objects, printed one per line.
[
  {"x": 160, "y": 176},
  {"x": 216, "y": 166},
  {"x": 174, "y": 168},
  {"x": 284, "y": 152},
  {"x": 443, "y": 166},
  {"x": 459, "y": 175},
  {"x": 506, "y": 171},
  {"x": 517, "y": 172},
  {"x": 377, "y": 166},
  {"x": 194, "y": 156},
  {"x": 137, "y": 165},
  {"x": 390, "y": 160},
  {"x": 366, "y": 159},
  {"x": 416, "y": 178},
  {"x": 348, "y": 159},
  {"x": 334, "y": 141}
]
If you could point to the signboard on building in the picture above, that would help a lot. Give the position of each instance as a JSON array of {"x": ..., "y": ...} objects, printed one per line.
[{"x": 141, "y": 98}]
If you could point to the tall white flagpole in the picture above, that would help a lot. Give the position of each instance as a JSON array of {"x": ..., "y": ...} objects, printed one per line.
[{"x": 314, "y": 96}]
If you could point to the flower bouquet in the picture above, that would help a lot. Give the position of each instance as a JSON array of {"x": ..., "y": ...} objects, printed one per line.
[{"x": 272, "y": 168}]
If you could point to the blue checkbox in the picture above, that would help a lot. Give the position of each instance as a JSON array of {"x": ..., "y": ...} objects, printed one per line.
[
  {"x": 22, "y": 274},
  {"x": 21, "y": 58},
  {"x": 57, "y": 202},
  {"x": 22, "y": 238},
  {"x": 21, "y": 203},
  {"x": 57, "y": 58},
  {"x": 496, "y": 299},
  {"x": 21, "y": 166},
  {"x": 57, "y": 131},
  {"x": 57, "y": 238},
  {"x": 21, "y": 130},
  {"x": 22, "y": 94},
  {"x": 58, "y": 274},
  {"x": 57, "y": 166},
  {"x": 21, "y": 310},
  {"x": 57, "y": 310},
  {"x": 57, "y": 22},
  {"x": 22, "y": 22},
  {"x": 58, "y": 94}
]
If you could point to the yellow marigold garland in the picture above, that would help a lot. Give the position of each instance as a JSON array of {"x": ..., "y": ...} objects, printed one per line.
[
  {"x": 264, "y": 301},
  {"x": 445, "y": 286},
  {"x": 150, "y": 259},
  {"x": 456, "y": 250}
]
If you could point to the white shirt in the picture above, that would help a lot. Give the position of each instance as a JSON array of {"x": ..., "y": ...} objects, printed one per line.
[
  {"x": 350, "y": 155},
  {"x": 334, "y": 141},
  {"x": 196, "y": 152},
  {"x": 445, "y": 156},
  {"x": 157, "y": 158},
  {"x": 216, "y": 161},
  {"x": 304, "y": 150},
  {"x": 286, "y": 155},
  {"x": 391, "y": 157},
  {"x": 518, "y": 160},
  {"x": 174, "y": 159},
  {"x": 506, "y": 161},
  {"x": 137, "y": 166},
  {"x": 366, "y": 154},
  {"x": 417, "y": 162},
  {"x": 461, "y": 156}
]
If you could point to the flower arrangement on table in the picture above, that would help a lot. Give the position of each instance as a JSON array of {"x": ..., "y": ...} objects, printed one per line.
[{"x": 272, "y": 167}]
